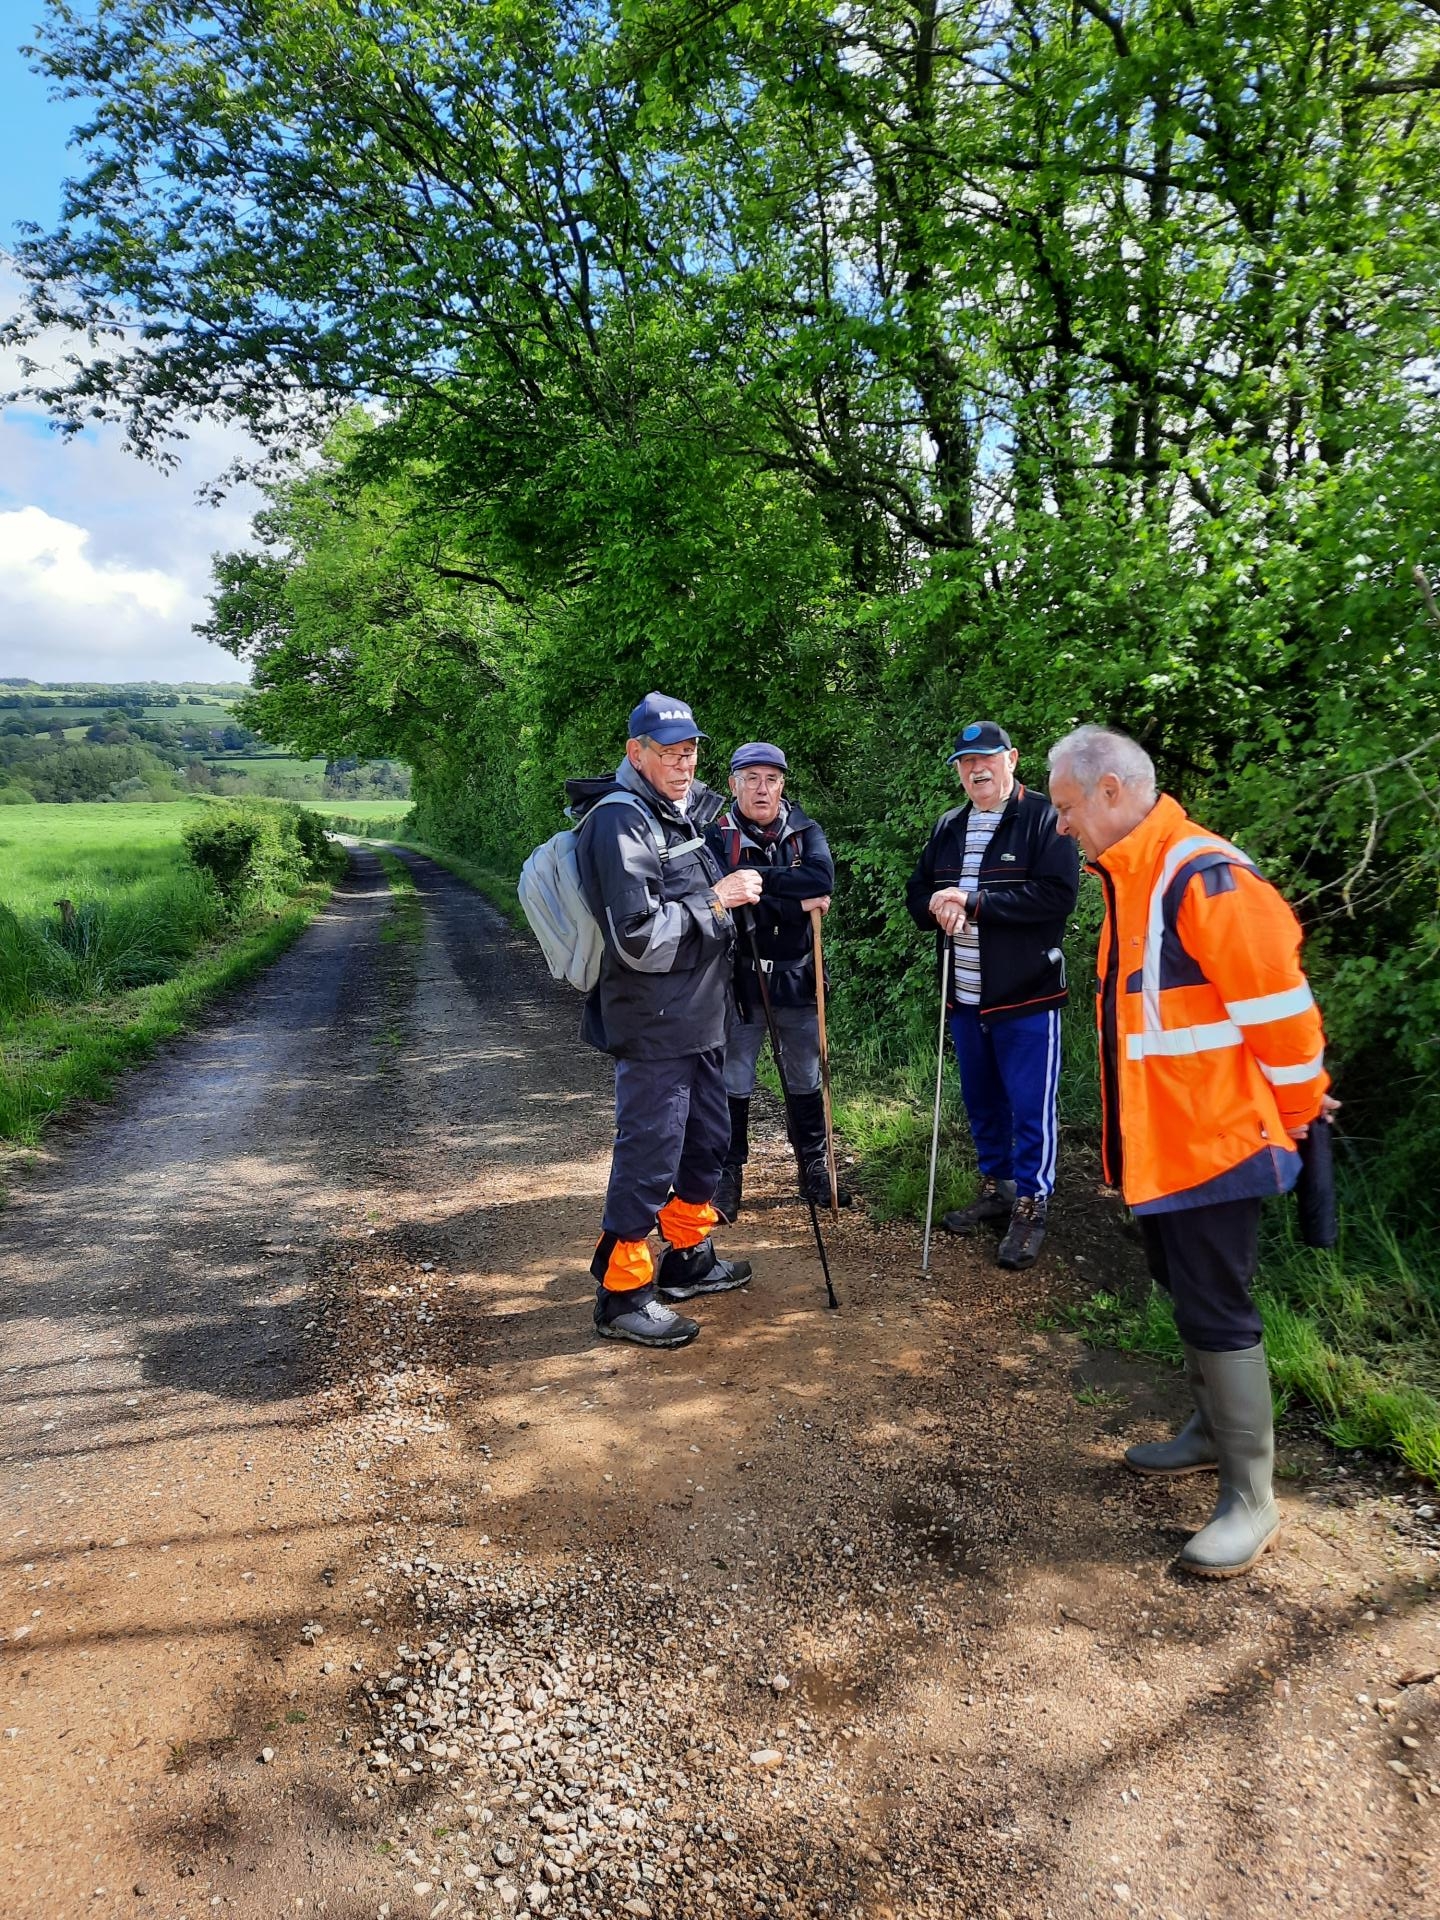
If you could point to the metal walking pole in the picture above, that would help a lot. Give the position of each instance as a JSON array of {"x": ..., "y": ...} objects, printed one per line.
[
  {"x": 815, "y": 917},
  {"x": 935, "y": 1128},
  {"x": 774, "y": 1033}
]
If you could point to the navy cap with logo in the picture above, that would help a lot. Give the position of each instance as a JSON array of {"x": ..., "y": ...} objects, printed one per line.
[
  {"x": 758, "y": 753},
  {"x": 663, "y": 720},
  {"x": 981, "y": 736}
]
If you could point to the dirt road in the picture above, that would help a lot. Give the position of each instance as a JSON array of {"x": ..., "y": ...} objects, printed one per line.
[{"x": 344, "y": 1572}]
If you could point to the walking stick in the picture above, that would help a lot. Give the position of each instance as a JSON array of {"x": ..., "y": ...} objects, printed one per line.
[
  {"x": 774, "y": 1033},
  {"x": 935, "y": 1128},
  {"x": 815, "y": 918}
]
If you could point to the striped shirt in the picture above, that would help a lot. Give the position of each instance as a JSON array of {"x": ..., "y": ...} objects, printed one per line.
[{"x": 966, "y": 945}]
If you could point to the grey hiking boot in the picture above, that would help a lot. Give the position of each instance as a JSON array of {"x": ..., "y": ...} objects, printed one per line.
[
  {"x": 640, "y": 1317},
  {"x": 993, "y": 1202},
  {"x": 688, "y": 1271},
  {"x": 1025, "y": 1235},
  {"x": 1246, "y": 1518},
  {"x": 1192, "y": 1450}
]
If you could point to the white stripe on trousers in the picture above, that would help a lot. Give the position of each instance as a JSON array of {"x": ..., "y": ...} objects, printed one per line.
[{"x": 1050, "y": 1128}]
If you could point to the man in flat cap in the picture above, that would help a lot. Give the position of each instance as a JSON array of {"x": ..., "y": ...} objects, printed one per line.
[
  {"x": 767, "y": 836},
  {"x": 998, "y": 883},
  {"x": 664, "y": 908}
]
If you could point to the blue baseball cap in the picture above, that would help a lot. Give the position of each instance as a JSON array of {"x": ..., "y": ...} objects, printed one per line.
[
  {"x": 981, "y": 736},
  {"x": 758, "y": 753},
  {"x": 664, "y": 720}
]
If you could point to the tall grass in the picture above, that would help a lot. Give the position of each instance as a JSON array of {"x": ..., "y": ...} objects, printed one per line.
[
  {"x": 109, "y": 939},
  {"x": 104, "y": 944}
]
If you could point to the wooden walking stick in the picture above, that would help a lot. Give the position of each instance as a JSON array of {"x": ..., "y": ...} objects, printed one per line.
[{"x": 815, "y": 918}]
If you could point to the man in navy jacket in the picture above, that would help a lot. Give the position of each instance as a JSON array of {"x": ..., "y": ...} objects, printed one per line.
[
  {"x": 997, "y": 882},
  {"x": 764, "y": 832},
  {"x": 659, "y": 1007}
]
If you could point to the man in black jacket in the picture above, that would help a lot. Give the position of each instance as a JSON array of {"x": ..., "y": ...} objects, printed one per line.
[
  {"x": 765, "y": 834},
  {"x": 664, "y": 909},
  {"x": 998, "y": 883}
]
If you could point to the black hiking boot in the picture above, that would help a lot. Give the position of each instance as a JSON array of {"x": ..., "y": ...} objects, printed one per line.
[
  {"x": 1025, "y": 1235},
  {"x": 993, "y": 1202},
  {"x": 807, "y": 1132},
  {"x": 640, "y": 1317},
  {"x": 726, "y": 1197},
  {"x": 817, "y": 1183},
  {"x": 688, "y": 1271}
]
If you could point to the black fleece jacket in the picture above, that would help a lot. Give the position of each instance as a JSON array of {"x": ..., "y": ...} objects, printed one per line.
[{"x": 1029, "y": 883}]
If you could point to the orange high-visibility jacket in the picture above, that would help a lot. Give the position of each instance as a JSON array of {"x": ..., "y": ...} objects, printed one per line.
[{"x": 1211, "y": 1046}]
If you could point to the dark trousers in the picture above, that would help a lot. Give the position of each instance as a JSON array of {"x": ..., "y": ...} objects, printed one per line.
[
  {"x": 1205, "y": 1259},
  {"x": 672, "y": 1128},
  {"x": 1010, "y": 1079}
]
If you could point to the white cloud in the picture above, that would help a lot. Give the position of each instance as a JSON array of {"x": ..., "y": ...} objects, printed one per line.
[
  {"x": 43, "y": 564},
  {"x": 105, "y": 560}
]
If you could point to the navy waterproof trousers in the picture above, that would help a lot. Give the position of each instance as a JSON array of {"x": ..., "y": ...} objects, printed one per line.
[{"x": 672, "y": 1129}]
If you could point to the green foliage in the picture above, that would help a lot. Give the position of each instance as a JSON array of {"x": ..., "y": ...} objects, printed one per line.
[{"x": 256, "y": 855}]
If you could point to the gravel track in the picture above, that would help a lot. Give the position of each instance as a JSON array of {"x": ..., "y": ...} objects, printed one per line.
[{"x": 344, "y": 1571}]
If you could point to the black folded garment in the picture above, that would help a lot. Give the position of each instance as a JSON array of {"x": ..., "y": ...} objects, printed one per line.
[{"x": 1315, "y": 1189}]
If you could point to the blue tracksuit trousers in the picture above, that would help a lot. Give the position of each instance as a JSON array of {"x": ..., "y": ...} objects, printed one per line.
[{"x": 1010, "y": 1079}]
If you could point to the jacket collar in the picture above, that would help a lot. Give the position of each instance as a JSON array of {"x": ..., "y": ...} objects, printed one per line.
[
  {"x": 702, "y": 803},
  {"x": 1012, "y": 801},
  {"x": 794, "y": 821},
  {"x": 1136, "y": 851}
]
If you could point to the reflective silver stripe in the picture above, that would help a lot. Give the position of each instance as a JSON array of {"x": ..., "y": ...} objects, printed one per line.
[
  {"x": 662, "y": 946},
  {"x": 1292, "y": 1076},
  {"x": 1180, "y": 1040},
  {"x": 1155, "y": 928},
  {"x": 1271, "y": 1006}
]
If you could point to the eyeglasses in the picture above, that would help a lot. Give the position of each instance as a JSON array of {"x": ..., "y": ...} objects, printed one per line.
[
  {"x": 761, "y": 779},
  {"x": 681, "y": 756}
]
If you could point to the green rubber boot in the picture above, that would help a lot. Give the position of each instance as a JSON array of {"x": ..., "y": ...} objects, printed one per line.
[
  {"x": 1192, "y": 1450},
  {"x": 1246, "y": 1520}
]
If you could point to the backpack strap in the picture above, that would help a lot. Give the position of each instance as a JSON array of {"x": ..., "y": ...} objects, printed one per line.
[{"x": 657, "y": 832}]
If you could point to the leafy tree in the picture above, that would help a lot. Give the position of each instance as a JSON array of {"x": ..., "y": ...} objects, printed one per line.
[{"x": 851, "y": 369}]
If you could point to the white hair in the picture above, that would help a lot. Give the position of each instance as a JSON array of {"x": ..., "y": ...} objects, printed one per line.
[{"x": 1090, "y": 752}]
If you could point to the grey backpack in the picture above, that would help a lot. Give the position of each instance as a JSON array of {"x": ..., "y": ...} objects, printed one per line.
[{"x": 554, "y": 901}]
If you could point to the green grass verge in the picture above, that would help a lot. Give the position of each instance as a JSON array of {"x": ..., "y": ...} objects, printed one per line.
[{"x": 50, "y": 1058}]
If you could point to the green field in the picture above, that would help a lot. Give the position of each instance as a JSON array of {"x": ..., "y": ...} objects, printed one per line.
[
  {"x": 268, "y": 762},
  {"x": 143, "y": 940},
  {"x": 359, "y": 809},
  {"x": 81, "y": 851}
]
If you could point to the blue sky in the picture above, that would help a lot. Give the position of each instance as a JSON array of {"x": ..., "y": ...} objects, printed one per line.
[
  {"x": 104, "y": 562},
  {"x": 33, "y": 160}
]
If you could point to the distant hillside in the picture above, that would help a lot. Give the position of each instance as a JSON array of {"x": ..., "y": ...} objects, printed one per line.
[{"x": 157, "y": 740}]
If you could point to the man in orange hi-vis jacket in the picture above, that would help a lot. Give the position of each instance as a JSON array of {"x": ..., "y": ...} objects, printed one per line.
[{"x": 1212, "y": 1067}]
